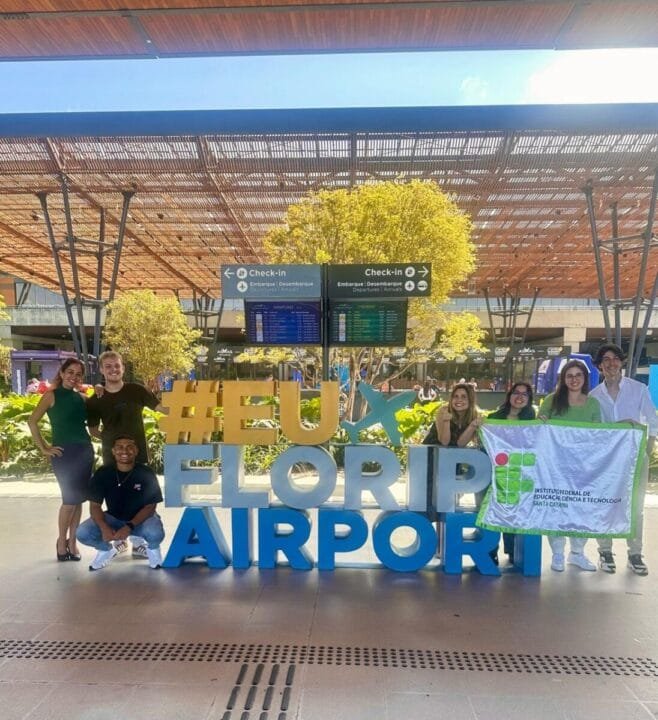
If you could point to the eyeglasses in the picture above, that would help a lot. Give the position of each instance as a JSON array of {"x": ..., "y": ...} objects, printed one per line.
[
  {"x": 521, "y": 394},
  {"x": 573, "y": 376}
]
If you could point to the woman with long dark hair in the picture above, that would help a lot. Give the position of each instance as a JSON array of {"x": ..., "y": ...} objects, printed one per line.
[
  {"x": 71, "y": 453},
  {"x": 516, "y": 406},
  {"x": 570, "y": 402}
]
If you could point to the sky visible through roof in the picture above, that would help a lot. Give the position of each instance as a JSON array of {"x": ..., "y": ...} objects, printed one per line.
[{"x": 515, "y": 77}]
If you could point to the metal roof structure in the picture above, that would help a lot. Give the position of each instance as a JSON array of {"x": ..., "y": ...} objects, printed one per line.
[
  {"x": 208, "y": 185},
  {"x": 76, "y": 29}
]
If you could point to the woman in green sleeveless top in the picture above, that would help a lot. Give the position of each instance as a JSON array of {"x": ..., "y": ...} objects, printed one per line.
[{"x": 71, "y": 453}]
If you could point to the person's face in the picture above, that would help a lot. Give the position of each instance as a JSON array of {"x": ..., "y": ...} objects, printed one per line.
[
  {"x": 574, "y": 378},
  {"x": 459, "y": 400},
  {"x": 124, "y": 452},
  {"x": 72, "y": 376},
  {"x": 112, "y": 369},
  {"x": 520, "y": 397},
  {"x": 611, "y": 366}
]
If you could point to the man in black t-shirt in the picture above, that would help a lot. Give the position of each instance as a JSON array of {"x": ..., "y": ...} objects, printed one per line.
[
  {"x": 119, "y": 408},
  {"x": 131, "y": 493}
]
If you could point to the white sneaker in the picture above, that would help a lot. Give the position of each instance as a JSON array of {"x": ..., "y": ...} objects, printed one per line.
[
  {"x": 140, "y": 551},
  {"x": 103, "y": 558},
  {"x": 120, "y": 545},
  {"x": 558, "y": 562},
  {"x": 155, "y": 557},
  {"x": 581, "y": 561}
]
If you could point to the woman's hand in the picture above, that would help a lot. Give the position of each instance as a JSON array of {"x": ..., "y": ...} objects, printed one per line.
[
  {"x": 50, "y": 451},
  {"x": 543, "y": 418},
  {"x": 99, "y": 390},
  {"x": 443, "y": 414}
]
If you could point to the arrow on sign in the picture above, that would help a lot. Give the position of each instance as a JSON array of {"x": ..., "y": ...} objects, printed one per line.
[
  {"x": 228, "y": 273},
  {"x": 424, "y": 271}
]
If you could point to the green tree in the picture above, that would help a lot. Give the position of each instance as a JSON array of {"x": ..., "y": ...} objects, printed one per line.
[
  {"x": 5, "y": 350},
  {"x": 385, "y": 223},
  {"x": 152, "y": 333}
]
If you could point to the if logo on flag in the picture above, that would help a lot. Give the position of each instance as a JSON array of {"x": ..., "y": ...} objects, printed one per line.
[{"x": 510, "y": 480}]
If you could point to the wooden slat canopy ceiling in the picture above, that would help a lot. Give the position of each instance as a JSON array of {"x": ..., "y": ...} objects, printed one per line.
[
  {"x": 39, "y": 29},
  {"x": 207, "y": 194}
]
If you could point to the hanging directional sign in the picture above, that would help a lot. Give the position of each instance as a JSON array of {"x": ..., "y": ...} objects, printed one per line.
[
  {"x": 271, "y": 281},
  {"x": 391, "y": 280}
]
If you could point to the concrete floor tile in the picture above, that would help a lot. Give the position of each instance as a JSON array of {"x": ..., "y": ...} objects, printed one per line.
[
  {"x": 93, "y": 701},
  {"x": 349, "y": 609},
  {"x": 602, "y": 709},
  {"x": 516, "y": 707},
  {"x": 173, "y": 702},
  {"x": 37, "y": 671},
  {"x": 18, "y": 698},
  {"x": 339, "y": 703},
  {"x": 426, "y": 706},
  {"x": 22, "y": 630}
]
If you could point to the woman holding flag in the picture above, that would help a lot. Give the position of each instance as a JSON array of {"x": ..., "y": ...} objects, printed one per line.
[
  {"x": 570, "y": 402},
  {"x": 517, "y": 406}
]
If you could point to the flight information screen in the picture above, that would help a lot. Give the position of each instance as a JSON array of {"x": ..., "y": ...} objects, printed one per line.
[
  {"x": 362, "y": 323},
  {"x": 283, "y": 322}
]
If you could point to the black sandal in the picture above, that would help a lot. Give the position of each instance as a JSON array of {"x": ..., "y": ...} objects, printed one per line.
[
  {"x": 62, "y": 557},
  {"x": 76, "y": 557}
]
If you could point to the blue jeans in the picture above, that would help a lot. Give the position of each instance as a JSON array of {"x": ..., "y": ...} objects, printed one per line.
[{"x": 151, "y": 530}]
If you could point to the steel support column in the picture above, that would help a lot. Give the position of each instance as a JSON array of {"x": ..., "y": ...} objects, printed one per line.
[
  {"x": 509, "y": 309},
  {"x": 616, "y": 245},
  {"x": 75, "y": 246}
]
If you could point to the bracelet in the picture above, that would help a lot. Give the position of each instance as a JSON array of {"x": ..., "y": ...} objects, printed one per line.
[{"x": 131, "y": 525}]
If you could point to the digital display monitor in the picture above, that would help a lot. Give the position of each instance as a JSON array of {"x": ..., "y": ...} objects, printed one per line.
[
  {"x": 368, "y": 324},
  {"x": 283, "y": 322}
]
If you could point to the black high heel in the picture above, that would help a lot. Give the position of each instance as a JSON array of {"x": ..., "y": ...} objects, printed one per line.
[
  {"x": 72, "y": 556},
  {"x": 62, "y": 557}
]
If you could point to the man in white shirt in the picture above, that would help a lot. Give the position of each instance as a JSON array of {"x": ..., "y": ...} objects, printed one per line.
[{"x": 623, "y": 400}]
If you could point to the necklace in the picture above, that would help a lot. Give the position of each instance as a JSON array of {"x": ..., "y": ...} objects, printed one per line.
[{"x": 121, "y": 481}]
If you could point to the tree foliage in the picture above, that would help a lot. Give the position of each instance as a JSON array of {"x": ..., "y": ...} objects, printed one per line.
[
  {"x": 5, "y": 350},
  {"x": 379, "y": 223},
  {"x": 460, "y": 332},
  {"x": 152, "y": 333},
  {"x": 389, "y": 222}
]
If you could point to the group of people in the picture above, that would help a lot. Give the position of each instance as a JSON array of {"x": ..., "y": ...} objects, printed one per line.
[
  {"x": 616, "y": 399},
  {"x": 130, "y": 491},
  {"x": 125, "y": 483}
]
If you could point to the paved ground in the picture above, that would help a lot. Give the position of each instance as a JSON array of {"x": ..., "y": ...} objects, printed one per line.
[{"x": 354, "y": 644}]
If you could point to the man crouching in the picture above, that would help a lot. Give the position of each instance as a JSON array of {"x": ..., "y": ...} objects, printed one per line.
[{"x": 130, "y": 492}]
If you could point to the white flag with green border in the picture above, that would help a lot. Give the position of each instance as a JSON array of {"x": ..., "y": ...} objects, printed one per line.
[{"x": 561, "y": 478}]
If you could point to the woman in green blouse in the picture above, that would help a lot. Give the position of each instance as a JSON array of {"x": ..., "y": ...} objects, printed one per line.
[
  {"x": 570, "y": 402},
  {"x": 71, "y": 453}
]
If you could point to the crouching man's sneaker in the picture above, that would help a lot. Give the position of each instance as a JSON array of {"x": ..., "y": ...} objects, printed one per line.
[
  {"x": 607, "y": 561},
  {"x": 140, "y": 552},
  {"x": 103, "y": 558},
  {"x": 636, "y": 564},
  {"x": 155, "y": 557},
  {"x": 581, "y": 561}
]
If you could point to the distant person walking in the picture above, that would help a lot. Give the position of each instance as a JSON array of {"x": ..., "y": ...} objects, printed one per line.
[
  {"x": 427, "y": 393},
  {"x": 71, "y": 453}
]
